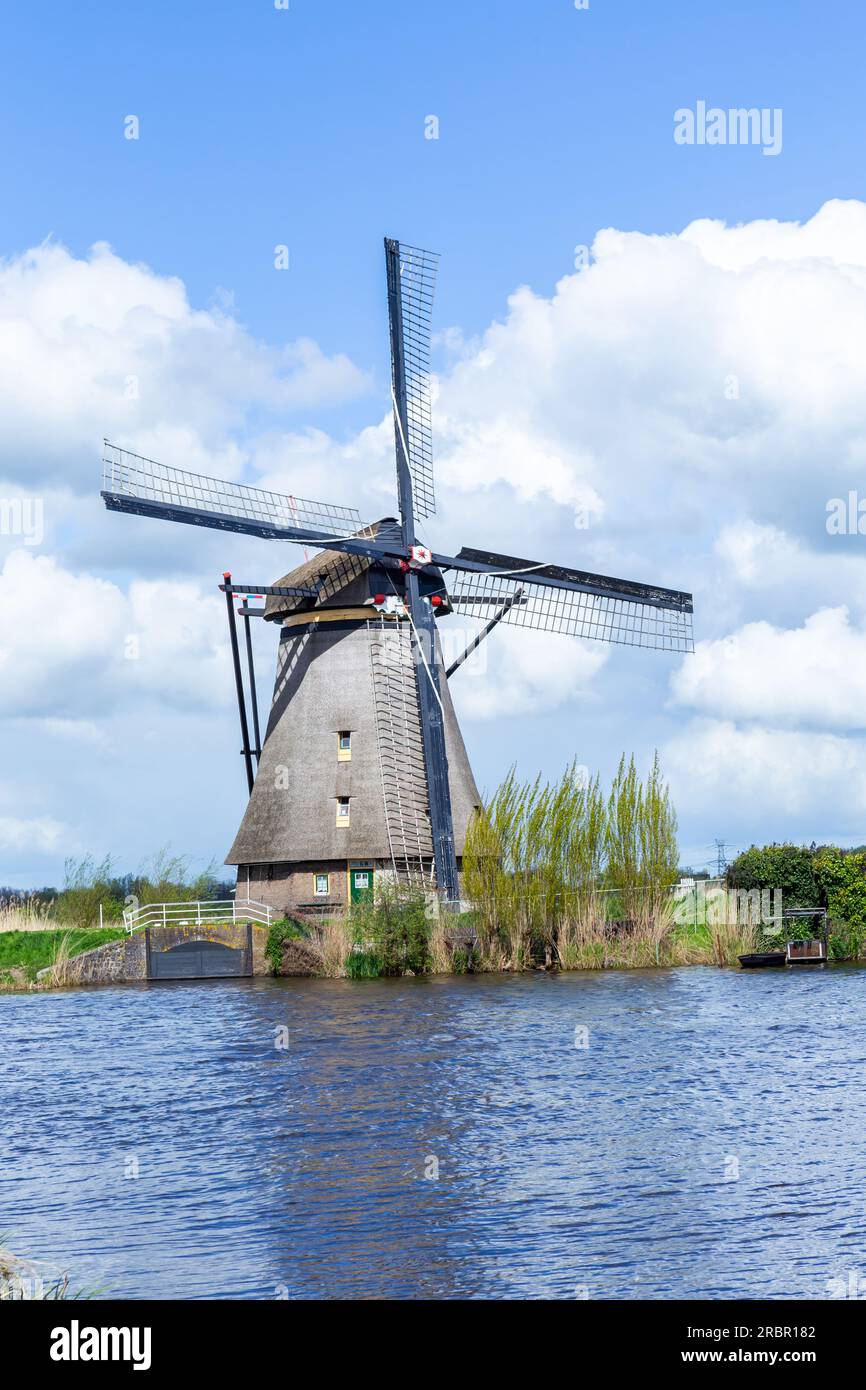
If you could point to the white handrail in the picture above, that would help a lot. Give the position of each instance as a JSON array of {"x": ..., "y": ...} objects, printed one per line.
[{"x": 199, "y": 913}]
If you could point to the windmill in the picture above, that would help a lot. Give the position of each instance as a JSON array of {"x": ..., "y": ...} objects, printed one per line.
[{"x": 362, "y": 737}]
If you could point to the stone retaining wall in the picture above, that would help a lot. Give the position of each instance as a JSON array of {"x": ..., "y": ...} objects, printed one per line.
[
  {"x": 118, "y": 962},
  {"x": 125, "y": 961}
]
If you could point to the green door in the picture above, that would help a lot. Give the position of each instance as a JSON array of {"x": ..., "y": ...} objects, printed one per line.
[{"x": 361, "y": 882}]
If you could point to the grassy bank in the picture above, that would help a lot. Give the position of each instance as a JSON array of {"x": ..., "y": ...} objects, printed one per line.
[{"x": 24, "y": 953}]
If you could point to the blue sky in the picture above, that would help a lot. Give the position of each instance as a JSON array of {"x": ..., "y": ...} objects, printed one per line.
[{"x": 306, "y": 127}]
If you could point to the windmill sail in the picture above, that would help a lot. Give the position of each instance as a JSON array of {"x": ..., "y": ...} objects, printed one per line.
[
  {"x": 411, "y": 282},
  {"x": 411, "y": 276},
  {"x": 131, "y": 483},
  {"x": 577, "y": 603}
]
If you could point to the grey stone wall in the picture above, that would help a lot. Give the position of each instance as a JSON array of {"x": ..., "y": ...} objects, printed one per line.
[
  {"x": 118, "y": 962},
  {"x": 125, "y": 961}
]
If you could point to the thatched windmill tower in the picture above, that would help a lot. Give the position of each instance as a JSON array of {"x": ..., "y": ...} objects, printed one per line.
[
  {"x": 362, "y": 772},
  {"x": 340, "y": 796}
]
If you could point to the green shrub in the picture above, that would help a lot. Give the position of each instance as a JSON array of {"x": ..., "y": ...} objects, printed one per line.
[
  {"x": 787, "y": 867},
  {"x": 845, "y": 941},
  {"x": 286, "y": 929},
  {"x": 165, "y": 878},
  {"x": 842, "y": 879},
  {"x": 364, "y": 965},
  {"x": 828, "y": 877},
  {"x": 390, "y": 936},
  {"x": 460, "y": 960},
  {"x": 87, "y": 885}
]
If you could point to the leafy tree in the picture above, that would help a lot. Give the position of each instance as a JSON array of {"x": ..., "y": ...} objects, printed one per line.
[
  {"x": 537, "y": 855},
  {"x": 87, "y": 885},
  {"x": 842, "y": 879},
  {"x": 658, "y": 842},
  {"x": 787, "y": 867}
]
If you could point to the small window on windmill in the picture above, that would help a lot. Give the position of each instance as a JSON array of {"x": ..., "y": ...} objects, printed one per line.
[
  {"x": 342, "y": 810},
  {"x": 344, "y": 746},
  {"x": 321, "y": 885}
]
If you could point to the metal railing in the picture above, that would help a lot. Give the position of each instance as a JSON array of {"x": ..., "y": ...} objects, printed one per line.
[{"x": 196, "y": 914}]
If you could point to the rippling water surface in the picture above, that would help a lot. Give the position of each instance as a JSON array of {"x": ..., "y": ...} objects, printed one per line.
[{"x": 610, "y": 1169}]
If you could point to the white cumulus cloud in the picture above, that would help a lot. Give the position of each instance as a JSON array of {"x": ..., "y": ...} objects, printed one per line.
[
  {"x": 814, "y": 675},
  {"x": 516, "y": 671},
  {"x": 73, "y": 646},
  {"x": 97, "y": 346},
  {"x": 769, "y": 782}
]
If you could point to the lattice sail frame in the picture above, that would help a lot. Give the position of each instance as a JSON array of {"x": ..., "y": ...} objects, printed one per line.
[
  {"x": 130, "y": 476},
  {"x": 625, "y": 621},
  {"x": 418, "y": 270}
]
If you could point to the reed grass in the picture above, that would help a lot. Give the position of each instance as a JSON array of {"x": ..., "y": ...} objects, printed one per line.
[
  {"x": 441, "y": 962},
  {"x": 730, "y": 940},
  {"x": 59, "y": 973},
  {"x": 335, "y": 941},
  {"x": 25, "y": 914}
]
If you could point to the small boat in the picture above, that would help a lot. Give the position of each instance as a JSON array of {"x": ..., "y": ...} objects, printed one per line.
[
  {"x": 757, "y": 960},
  {"x": 804, "y": 950}
]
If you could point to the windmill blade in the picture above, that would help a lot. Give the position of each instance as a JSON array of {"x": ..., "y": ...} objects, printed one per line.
[
  {"x": 551, "y": 598},
  {"x": 631, "y": 622},
  {"x": 411, "y": 283},
  {"x": 131, "y": 483}
]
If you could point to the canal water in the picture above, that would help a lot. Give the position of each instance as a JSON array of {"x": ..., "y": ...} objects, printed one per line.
[{"x": 691, "y": 1133}]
